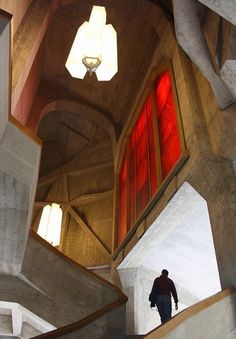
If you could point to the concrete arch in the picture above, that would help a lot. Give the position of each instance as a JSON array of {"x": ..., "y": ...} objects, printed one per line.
[{"x": 85, "y": 111}]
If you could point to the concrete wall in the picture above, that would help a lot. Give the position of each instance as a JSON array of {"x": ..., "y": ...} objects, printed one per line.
[{"x": 18, "y": 174}]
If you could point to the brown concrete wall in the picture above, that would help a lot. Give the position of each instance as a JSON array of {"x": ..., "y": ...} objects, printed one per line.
[{"x": 209, "y": 134}]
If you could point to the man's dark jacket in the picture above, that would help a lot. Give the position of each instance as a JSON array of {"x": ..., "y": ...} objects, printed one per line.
[{"x": 162, "y": 285}]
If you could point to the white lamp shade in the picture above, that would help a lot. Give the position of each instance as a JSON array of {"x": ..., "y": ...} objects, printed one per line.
[
  {"x": 109, "y": 65},
  {"x": 92, "y": 46},
  {"x": 98, "y": 16},
  {"x": 50, "y": 224},
  {"x": 94, "y": 33},
  {"x": 74, "y": 61},
  {"x": 95, "y": 41}
]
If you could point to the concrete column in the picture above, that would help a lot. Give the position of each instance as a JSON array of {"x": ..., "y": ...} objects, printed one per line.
[{"x": 214, "y": 178}]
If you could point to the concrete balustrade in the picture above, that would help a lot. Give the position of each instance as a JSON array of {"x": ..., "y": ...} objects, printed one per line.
[{"x": 212, "y": 318}]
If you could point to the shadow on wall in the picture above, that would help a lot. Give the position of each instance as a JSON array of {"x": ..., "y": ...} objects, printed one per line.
[{"x": 180, "y": 240}]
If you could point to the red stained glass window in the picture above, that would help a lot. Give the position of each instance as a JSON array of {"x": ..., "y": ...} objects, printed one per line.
[
  {"x": 142, "y": 184},
  {"x": 170, "y": 149},
  {"x": 152, "y": 148},
  {"x": 138, "y": 178}
]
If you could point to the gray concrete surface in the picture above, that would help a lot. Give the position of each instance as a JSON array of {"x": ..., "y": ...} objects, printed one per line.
[
  {"x": 18, "y": 177},
  {"x": 71, "y": 293}
]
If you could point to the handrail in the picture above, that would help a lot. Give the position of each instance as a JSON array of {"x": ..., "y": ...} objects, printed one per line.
[
  {"x": 162, "y": 330},
  {"x": 122, "y": 298}
]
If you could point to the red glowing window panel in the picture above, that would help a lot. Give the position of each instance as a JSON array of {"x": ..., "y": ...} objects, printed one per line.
[
  {"x": 152, "y": 148},
  {"x": 122, "y": 202},
  {"x": 170, "y": 148},
  {"x": 132, "y": 181},
  {"x": 142, "y": 174}
]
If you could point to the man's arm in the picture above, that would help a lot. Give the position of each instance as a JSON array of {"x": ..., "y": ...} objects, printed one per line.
[
  {"x": 174, "y": 294},
  {"x": 153, "y": 295}
]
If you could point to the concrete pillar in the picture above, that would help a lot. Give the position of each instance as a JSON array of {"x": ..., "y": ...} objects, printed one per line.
[{"x": 214, "y": 178}]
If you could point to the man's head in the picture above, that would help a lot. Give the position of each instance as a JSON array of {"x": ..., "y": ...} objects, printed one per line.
[{"x": 165, "y": 273}]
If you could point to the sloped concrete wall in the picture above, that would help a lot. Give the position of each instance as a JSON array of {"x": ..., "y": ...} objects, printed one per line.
[
  {"x": 73, "y": 292},
  {"x": 108, "y": 326}
]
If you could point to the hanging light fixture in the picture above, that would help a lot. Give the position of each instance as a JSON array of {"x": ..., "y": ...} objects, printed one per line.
[
  {"x": 51, "y": 219},
  {"x": 94, "y": 48}
]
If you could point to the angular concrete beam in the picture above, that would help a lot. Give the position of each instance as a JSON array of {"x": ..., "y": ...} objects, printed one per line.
[
  {"x": 191, "y": 39},
  {"x": 227, "y": 9},
  {"x": 92, "y": 235},
  {"x": 5, "y": 33}
]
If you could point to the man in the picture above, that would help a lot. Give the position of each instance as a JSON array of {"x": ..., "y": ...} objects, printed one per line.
[{"x": 162, "y": 289}]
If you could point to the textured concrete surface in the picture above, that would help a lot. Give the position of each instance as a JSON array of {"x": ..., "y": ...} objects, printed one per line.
[
  {"x": 13, "y": 214},
  {"x": 74, "y": 297},
  {"x": 18, "y": 173},
  {"x": 5, "y": 324},
  {"x": 108, "y": 326},
  {"x": 223, "y": 8}
]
